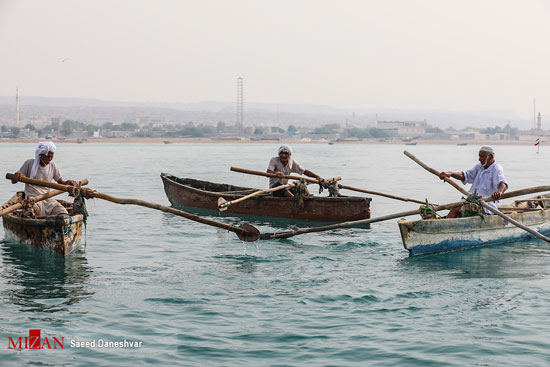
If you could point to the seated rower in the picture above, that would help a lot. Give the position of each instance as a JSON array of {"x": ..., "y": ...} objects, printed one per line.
[
  {"x": 284, "y": 165},
  {"x": 487, "y": 177},
  {"x": 43, "y": 168}
]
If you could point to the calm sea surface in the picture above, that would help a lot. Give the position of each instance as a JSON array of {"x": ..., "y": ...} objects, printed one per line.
[{"x": 195, "y": 295}]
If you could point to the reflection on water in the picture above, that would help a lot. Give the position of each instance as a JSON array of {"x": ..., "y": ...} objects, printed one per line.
[
  {"x": 41, "y": 281},
  {"x": 276, "y": 222},
  {"x": 522, "y": 259},
  {"x": 263, "y": 225}
]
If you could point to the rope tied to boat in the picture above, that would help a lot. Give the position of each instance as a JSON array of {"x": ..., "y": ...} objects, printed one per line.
[
  {"x": 70, "y": 227},
  {"x": 333, "y": 188},
  {"x": 301, "y": 193},
  {"x": 427, "y": 212},
  {"x": 79, "y": 204},
  {"x": 472, "y": 207}
]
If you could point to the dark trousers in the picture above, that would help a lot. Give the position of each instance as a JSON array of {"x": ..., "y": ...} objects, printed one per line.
[{"x": 281, "y": 193}]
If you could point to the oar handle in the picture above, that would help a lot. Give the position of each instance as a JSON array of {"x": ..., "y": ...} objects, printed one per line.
[
  {"x": 436, "y": 172},
  {"x": 290, "y": 177},
  {"x": 227, "y": 203},
  {"x": 381, "y": 194},
  {"x": 32, "y": 181}
]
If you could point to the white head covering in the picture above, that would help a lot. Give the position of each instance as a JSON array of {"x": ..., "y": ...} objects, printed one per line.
[
  {"x": 487, "y": 149},
  {"x": 285, "y": 148},
  {"x": 43, "y": 148}
]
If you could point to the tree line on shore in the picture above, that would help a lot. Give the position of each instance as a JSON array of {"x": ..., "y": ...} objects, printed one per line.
[{"x": 69, "y": 128}]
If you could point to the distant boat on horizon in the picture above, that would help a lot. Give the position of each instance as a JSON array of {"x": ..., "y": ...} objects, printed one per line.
[
  {"x": 462, "y": 144},
  {"x": 410, "y": 143}
]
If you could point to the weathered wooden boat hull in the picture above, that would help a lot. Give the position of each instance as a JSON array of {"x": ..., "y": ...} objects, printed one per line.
[
  {"x": 186, "y": 192},
  {"x": 422, "y": 237},
  {"x": 56, "y": 234}
]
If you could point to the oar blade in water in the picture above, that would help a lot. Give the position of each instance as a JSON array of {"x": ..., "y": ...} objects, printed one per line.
[{"x": 251, "y": 235}]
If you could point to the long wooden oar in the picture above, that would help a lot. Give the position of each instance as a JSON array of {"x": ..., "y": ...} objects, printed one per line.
[
  {"x": 381, "y": 194},
  {"x": 269, "y": 236},
  {"x": 36, "y": 199},
  {"x": 259, "y": 173},
  {"x": 32, "y": 181},
  {"x": 481, "y": 201},
  {"x": 246, "y": 232},
  {"x": 290, "y": 177},
  {"x": 224, "y": 204}
]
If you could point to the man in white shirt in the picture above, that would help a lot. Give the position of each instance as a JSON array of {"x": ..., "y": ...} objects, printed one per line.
[
  {"x": 284, "y": 165},
  {"x": 487, "y": 177},
  {"x": 43, "y": 168}
]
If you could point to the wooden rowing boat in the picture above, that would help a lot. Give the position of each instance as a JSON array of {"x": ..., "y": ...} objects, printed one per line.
[
  {"x": 191, "y": 193},
  {"x": 59, "y": 234},
  {"x": 422, "y": 237}
]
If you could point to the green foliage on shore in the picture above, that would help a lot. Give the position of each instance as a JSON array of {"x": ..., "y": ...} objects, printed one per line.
[
  {"x": 328, "y": 129},
  {"x": 498, "y": 130},
  {"x": 367, "y": 133}
]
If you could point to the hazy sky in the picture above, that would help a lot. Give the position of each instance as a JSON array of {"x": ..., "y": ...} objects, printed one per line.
[{"x": 466, "y": 55}]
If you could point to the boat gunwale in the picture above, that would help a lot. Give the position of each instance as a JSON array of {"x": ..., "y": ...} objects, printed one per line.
[
  {"x": 44, "y": 222},
  {"x": 50, "y": 221},
  {"x": 463, "y": 220}
]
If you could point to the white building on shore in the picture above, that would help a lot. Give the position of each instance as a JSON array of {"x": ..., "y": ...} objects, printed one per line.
[{"x": 403, "y": 128}]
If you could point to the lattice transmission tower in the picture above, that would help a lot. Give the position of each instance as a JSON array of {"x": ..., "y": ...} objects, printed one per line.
[
  {"x": 16, "y": 106},
  {"x": 240, "y": 102}
]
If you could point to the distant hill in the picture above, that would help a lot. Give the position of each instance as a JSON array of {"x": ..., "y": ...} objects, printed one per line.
[{"x": 210, "y": 112}]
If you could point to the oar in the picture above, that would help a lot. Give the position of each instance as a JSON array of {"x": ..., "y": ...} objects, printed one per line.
[
  {"x": 32, "y": 181},
  {"x": 269, "y": 236},
  {"x": 37, "y": 198},
  {"x": 381, "y": 194},
  {"x": 290, "y": 177},
  {"x": 224, "y": 204},
  {"x": 246, "y": 232},
  {"x": 259, "y": 173},
  {"x": 481, "y": 201}
]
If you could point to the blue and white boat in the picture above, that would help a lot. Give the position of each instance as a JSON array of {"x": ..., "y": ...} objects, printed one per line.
[{"x": 422, "y": 237}]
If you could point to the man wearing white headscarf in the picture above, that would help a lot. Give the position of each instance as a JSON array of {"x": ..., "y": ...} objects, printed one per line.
[
  {"x": 283, "y": 165},
  {"x": 43, "y": 168},
  {"x": 487, "y": 177}
]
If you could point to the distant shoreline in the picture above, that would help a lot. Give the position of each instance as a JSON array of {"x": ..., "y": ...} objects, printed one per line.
[{"x": 247, "y": 141}]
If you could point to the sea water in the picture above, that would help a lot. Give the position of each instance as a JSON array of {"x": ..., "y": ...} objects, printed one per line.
[{"x": 152, "y": 288}]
